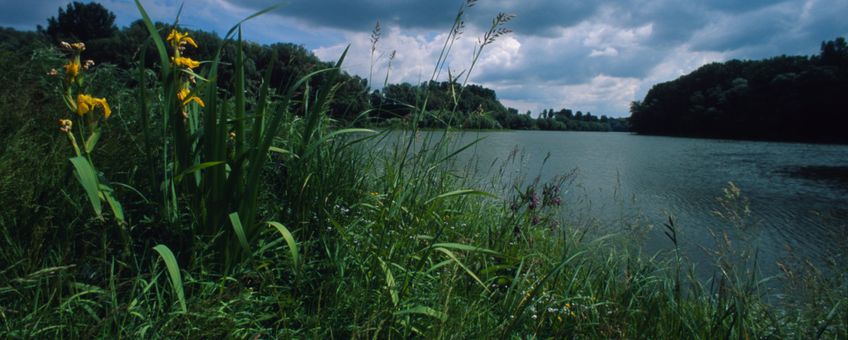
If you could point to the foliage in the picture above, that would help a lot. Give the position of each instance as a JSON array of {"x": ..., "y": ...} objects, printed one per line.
[
  {"x": 390, "y": 244},
  {"x": 477, "y": 107},
  {"x": 81, "y": 22},
  {"x": 781, "y": 98}
]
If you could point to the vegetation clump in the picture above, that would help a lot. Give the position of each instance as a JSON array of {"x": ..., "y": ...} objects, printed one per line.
[
  {"x": 243, "y": 207},
  {"x": 789, "y": 98}
]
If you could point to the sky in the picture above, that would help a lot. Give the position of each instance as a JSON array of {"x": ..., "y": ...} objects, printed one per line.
[{"x": 593, "y": 56}]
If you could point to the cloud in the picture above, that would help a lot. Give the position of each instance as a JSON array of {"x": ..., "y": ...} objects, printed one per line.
[{"x": 586, "y": 55}]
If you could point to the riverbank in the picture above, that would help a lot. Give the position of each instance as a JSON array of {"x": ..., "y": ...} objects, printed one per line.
[{"x": 161, "y": 207}]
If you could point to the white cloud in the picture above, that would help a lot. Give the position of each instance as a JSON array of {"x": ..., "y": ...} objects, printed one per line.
[
  {"x": 589, "y": 56},
  {"x": 606, "y": 52},
  {"x": 678, "y": 61}
]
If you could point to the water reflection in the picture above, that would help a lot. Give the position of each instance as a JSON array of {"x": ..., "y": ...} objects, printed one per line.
[{"x": 621, "y": 177}]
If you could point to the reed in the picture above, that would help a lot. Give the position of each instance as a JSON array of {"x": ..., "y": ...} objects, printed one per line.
[{"x": 261, "y": 216}]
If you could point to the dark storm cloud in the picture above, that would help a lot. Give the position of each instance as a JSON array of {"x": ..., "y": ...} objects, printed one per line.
[
  {"x": 26, "y": 15},
  {"x": 561, "y": 51},
  {"x": 362, "y": 14},
  {"x": 535, "y": 17}
]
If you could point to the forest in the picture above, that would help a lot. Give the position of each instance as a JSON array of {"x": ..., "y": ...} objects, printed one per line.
[
  {"x": 356, "y": 103},
  {"x": 477, "y": 107},
  {"x": 786, "y": 98}
]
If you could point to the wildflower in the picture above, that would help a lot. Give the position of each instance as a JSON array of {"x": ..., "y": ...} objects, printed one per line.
[
  {"x": 88, "y": 64},
  {"x": 534, "y": 199},
  {"x": 53, "y": 72},
  {"x": 186, "y": 98},
  {"x": 65, "y": 125},
  {"x": 72, "y": 68},
  {"x": 65, "y": 45},
  {"x": 78, "y": 47},
  {"x": 86, "y": 103},
  {"x": 185, "y": 62},
  {"x": 178, "y": 39}
]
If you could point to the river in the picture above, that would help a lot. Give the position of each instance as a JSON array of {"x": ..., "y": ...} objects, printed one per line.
[{"x": 796, "y": 193}]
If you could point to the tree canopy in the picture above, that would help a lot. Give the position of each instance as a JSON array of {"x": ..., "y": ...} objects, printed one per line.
[
  {"x": 81, "y": 22},
  {"x": 796, "y": 98}
]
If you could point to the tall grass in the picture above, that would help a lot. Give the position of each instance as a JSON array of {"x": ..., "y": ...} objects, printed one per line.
[{"x": 260, "y": 217}]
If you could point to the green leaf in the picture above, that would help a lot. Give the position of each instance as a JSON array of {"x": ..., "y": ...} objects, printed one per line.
[
  {"x": 88, "y": 179},
  {"x": 453, "y": 257},
  {"x": 154, "y": 34},
  {"x": 424, "y": 310},
  {"x": 173, "y": 272},
  {"x": 279, "y": 150},
  {"x": 116, "y": 206},
  {"x": 461, "y": 192},
  {"x": 329, "y": 136},
  {"x": 465, "y": 247},
  {"x": 390, "y": 282},
  {"x": 197, "y": 167},
  {"x": 92, "y": 140},
  {"x": 239, "y": 230},
  {"x": 287, "y": 235}
]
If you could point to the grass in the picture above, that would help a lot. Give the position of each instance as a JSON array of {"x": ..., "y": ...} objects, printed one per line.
[{"x": 292, "y": 228}]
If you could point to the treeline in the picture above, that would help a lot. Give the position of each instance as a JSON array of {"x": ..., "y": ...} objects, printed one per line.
[
  {"x": 792, "y": 98},
  {"x": 447, "y": 104},
  {"x": 476, "y": 107}
]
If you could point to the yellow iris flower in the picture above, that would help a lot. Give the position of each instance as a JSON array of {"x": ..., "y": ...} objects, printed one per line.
[
  {"x": 179, "y": 39},
  {"x": 72, "y": 68},
  {"x": 86, "y": 104},
  {"x": 185, "y": 98},
  {"x": 185, "y": 62}
]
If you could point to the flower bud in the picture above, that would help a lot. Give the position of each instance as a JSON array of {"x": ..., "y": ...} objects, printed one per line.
[{"x": 65, "y": 125}]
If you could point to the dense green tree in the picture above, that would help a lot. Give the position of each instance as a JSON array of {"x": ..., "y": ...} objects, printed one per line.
[
  {"x": 81, "y": 22},
  {"x": 780, "y": 98}
]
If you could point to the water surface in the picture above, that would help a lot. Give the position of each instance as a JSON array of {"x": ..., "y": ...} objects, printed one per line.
[{"x": 796, "y": 193}]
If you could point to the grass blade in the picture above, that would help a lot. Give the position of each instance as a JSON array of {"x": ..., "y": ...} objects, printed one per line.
[
  {"x": 196, "y": 168},
  {"x": 453, "y": 257},
  {"x": 88, "y": 179},
  {"x": 173, "y": 272},
  {"x": 423, "y": 310},
  {"x": 390, "y": 282},
  {"x": 465, "y": 247},
  {"x": 239, "y": 230},
  {"x": 461, "y": 192},
  {"x": 287, "y": 235},
  {"x": 154, "y": 34}
]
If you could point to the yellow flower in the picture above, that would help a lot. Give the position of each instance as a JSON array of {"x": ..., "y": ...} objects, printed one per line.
[
  {"x": 72, "y": 68},
  {"x": 185, "y": 98},
  {"x": 179, "y": 39},
  {"x": 185, "y": 62},
  {"x": 86, "y": 104}
]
